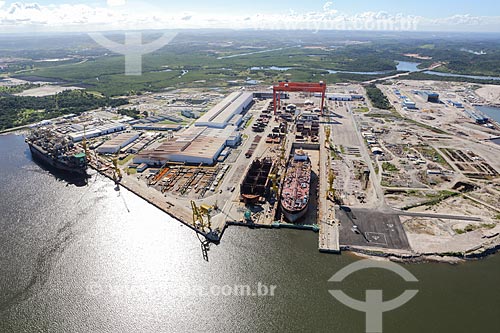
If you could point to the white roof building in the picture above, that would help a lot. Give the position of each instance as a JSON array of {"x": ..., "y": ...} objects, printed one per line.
[
  {"x": 117, "y": 143},
  {"x": 196, "y": 145},
  {"x": 224, "y": 113}
]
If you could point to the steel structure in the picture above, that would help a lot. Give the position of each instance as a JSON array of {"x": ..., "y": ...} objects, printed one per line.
[{"x": 298, "y": 86}]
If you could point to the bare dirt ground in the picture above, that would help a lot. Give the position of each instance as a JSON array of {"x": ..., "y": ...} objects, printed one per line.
[
  {"x": 45, "y": 91},
  {"x": 490, "y": 93}
]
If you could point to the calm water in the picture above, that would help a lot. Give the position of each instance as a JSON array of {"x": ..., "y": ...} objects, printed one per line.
[
  {"x": 406, "y": 66},
  {"x": 478, "y": 77},
  {"x": 409, "y": 66},
  {"x": 492, "y": 112},
  {"x": 90, "y": 259}
]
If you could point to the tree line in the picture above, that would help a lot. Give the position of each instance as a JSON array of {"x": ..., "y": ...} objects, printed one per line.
[{"x": 23, "y": 110}]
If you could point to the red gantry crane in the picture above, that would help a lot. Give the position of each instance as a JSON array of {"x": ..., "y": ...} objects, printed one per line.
[{"x": 298, "y": 86}]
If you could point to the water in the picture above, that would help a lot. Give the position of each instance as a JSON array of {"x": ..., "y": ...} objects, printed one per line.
[
  {"x": 477, "y": 77},
  {"x": 330, "y": 71},
  {"x": 492, "y": 112},
  {"x": 270, "y": 68},
  {"x": 406, "y": 66},
  {"x": 90, "y": 259}
]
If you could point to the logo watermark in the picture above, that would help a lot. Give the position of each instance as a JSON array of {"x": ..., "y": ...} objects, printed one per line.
[
  {"x": 178, "y": 290},
  {"x": 373, "y": 306},
  {"x": 133, "y": 49}
]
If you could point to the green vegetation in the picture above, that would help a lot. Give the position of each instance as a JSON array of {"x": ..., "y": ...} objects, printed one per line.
[
  {"x": 434, "y": 199},
  {"x": 389, "y": 167},
  {"x": 249, "y": 122},
  {"x": 473, "y": 227},
  {"x": 390, "y": 115},
  {"x": 131, "y": 171},
  {"x": 22, "y": 110},
  {"x": 423, "y": 76},
  {"x": 126, "y": 159},
  {"x": 430, "y": 128},
  {"x": 223, "y": 59},
  {"x": 431, "y": 154},
  {"x": 362, "y": 109},
  {"x": 333, "y": 152},
  {"x": 133, "y": 113},
  {"x": 17, "y": 89},
  {"x": 377, "y": 97},
  {"x": 497, "y": 217}
]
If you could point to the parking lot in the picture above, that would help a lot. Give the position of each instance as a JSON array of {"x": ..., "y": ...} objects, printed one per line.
[{"x": 367, "y": 227}]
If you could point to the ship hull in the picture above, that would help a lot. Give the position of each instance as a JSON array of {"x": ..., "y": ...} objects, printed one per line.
[
  {"x": 293, "y": 217},
  {"x": 40, "y": 156},
  {"x": 296, "y": 187}
]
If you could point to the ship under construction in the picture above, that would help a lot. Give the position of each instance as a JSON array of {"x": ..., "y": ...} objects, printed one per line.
[
  {"x": 57, "y": 151},
  {"x": 256, "y": 183},
  {"x": 296, "y": 187}
]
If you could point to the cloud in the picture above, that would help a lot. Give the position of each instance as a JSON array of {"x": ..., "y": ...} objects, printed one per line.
[
  {"x": 20, "y": 16},
  {"x": 116, "y": 3}
]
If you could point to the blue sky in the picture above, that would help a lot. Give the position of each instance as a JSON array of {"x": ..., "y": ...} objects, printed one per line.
[
  {"x": 427, "y": 8},
  {"x": 424, "y": 15}
]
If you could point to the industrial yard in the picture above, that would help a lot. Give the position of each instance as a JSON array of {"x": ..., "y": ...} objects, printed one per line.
[{"x": 405, "y": 181}]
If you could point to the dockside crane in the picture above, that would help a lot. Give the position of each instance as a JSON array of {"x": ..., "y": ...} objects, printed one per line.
[
  {"x": 201, "y": 215},
  {"x": 117, "y": 174},
  {"x": 85, "y": 144}
]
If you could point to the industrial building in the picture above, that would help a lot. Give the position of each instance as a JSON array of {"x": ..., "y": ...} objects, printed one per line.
[
  {"x": 227, "y": 112},
  {"x": 409, "y": 104},
  {"x": 339, "y": 97},
  {"x": 94, "y": 131},
  {"x": 269, "y": 95},
  {"x": 190, "y": 114},
  {"x": 477, "y": 117},
  {"x": 195, "y": 146},
  {"x": 429, "y": 96},
  {"x": 120, "y": 141},
  {"x": 157, "y": 127}
]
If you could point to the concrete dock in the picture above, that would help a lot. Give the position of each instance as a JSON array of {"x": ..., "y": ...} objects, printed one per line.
[{"x": 328, "y": 227}]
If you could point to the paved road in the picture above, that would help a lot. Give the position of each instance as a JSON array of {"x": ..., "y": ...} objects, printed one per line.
[
  {"x": 366, "y": 156},
  {"x": 438, "y": 216}
]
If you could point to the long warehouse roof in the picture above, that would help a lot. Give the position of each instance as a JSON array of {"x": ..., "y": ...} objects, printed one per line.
[{"x": 226, "y": 109}]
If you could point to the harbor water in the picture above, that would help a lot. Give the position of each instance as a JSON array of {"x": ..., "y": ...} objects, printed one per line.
[
  {"x": 492, "y": 112},
  {"x": 81, "y": 257}
]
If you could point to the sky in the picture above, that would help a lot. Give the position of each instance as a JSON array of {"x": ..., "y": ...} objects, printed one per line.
[{"x": 104, "y": 15}]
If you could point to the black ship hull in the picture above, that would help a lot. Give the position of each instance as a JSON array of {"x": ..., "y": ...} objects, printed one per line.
[
  {"x": 42, "y": 157},
  {"x": 294, "y": 216}
]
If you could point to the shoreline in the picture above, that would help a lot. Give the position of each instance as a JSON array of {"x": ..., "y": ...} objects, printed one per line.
[{"x": 480, "y": 251}]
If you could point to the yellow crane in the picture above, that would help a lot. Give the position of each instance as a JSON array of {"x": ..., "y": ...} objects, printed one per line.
[
  {"x": 201, "y": 215},
  {"x": 331, "y": 179},
  {"x": 84, "y": 143},
  {"x": 328, "y": 132},
  {"x": 117, "y": 174}
]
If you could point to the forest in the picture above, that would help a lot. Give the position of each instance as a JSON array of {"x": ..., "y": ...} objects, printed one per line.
[
  {"x": 377, "y": 97},
  {"x": 22, "y": 110}
]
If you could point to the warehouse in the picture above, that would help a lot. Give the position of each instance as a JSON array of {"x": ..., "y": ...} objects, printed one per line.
[
  {"x": 409, "y": 104},
  {"x": 95, "y": 131},
  {"x": 114, "y": 145},
  {"x": 429, "y": 96},
  {"x": 269, "y": 95},
  {"x": 195, "y": 146},
  {"x": 157, "y": 127},
  {"x": 223, "y": 113},
  {"x": 339, "y": 97}
]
